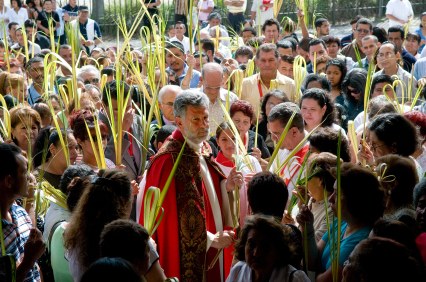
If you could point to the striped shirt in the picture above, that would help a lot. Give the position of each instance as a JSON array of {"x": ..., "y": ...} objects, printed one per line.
[{"x": 16, "y": 234}]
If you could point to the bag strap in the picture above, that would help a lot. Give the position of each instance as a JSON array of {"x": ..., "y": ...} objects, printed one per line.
[{"x": 52, "y": 231}]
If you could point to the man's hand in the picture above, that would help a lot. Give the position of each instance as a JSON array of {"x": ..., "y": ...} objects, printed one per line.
[
  {"x": 128, "y": 119},
  {"x": 223, "y": 239},
  {"x": 34, "y": 248},
  {"x": 190, "y": 60},
  {"x": 67, "y": 17}
]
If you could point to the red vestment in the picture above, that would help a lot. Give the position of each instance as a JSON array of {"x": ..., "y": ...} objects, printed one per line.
[{"x": 181, "y": 236}]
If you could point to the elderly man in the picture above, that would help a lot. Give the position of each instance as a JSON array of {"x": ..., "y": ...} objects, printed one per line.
[
  {"x": 88, "y": 29},
  {"x": 278, "y": 118},
  {"x": 166, "y": 100},
  {"x": 215, "y": 20},
  {"x": 212, "y": 77},
  {"x": 268, "y": 78},
  {"x": 196, "y": 207},
  {"x": 89, "y": 75},
  {"x": 23, "y": 242},
  {"x": 363, "y": 28}
]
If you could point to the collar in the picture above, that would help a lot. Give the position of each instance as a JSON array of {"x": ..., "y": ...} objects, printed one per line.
[
  {"x": 221, "y": 159},
  {"x": 167, "y": 122}
]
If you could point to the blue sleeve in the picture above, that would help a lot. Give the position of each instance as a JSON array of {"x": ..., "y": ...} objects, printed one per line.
[{"x": 98, "y": 30}]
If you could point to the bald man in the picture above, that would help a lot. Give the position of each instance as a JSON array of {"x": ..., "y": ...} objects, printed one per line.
[{"x": 212, "y": 76}]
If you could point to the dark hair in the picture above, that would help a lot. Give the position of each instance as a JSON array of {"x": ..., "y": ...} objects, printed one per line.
[
  {"x": 381, "y": 259},
  {"x": 380, "y": 79},
  {"x": 30, "y": 23},
  {"x": 397, "y": 28},
  {"x": 356, "y": 78},
  {"x": 273, "y": 93},
  {"x": 320, "y": 165},
  {"x": 288, "y": 59},
  {"x": 46, "y": 137},
  {"x": 274, "y": 231},
  {"x": 135, "y": 246},
  {"x": 326, "y": 139},
  {"x": 252, "y": 30},
  {"x": 325, "y": 84},
  {"x": 328, "y": 39},
  {"x": 111, "y": 270},
  {"x": 380, "y": 33},
  {"x": 242, "y": 106},
  {"x": 341, "y": 65},
  {"x": 111, "y": 89},
  {"x": 316, "y": 41},
  {"x": 398, "y": 179},
  {"x": 244, "y": 51},
  {"x": 304, "y": 43},
  {"x": 286, "y": 44},
  {"x": 283, "y": 113},
  {"x": 267, "y": 194},
  {"x": 413, "y": 36},
  {"x": 361, "y": 190},
  {"x": 322, "y": 99},
  {"x": 356, "y": 19},
  {"x": 223, "y": 126},
  {"x": 365, "y": 21},
  {"x": 421, "y": 16},
  {"x": 396, "y": 132},
  {"x": 106, "y": 197},
  {"x": 9, "y": 162},
  {"x": 397, "y": 231},
  {"x": 11, "y": 24},
  {"x": 419, "y": 190},
  {"x": 19, "y": 2},
  {"x": 255, "y": 42},
  {"x": 33, "y": 60},
  {"x": 207, "y": 45},
  {"x": 320, "y": 21},
  {"x": 270, "y": 22},
  {"x": 164, "y": 132},
  {"x": 175, "y": 44}
]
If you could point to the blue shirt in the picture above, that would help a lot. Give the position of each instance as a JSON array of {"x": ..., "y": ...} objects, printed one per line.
[
  {"x": 422, "y": 37},
  {"x": 195, "y": 79},
  {"x": 16, "y": 234},
  {"x": 33, "y": 95},
  {"x": 346, "y": 244},
  {"x": 420, "y": 68}
]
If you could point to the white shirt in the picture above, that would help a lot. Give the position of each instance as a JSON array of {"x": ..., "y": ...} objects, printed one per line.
[
  {"x": 19, "y": 17},
  {"x": 399, "y": 8},
  {"x": 185, "y": 42},
  {"x": 262, "y": 14},
  {"x": 204, "y": 4}
]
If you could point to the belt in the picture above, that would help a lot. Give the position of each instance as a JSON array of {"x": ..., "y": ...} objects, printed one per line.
[{"x": 240, "y": 13}]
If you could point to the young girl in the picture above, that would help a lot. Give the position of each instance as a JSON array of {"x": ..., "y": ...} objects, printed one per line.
[{"x": 336, "y": 72}]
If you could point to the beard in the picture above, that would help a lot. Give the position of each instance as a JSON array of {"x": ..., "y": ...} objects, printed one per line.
[{"x": 199, "y": 136}]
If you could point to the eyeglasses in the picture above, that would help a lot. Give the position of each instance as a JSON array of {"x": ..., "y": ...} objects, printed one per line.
[
  {"x": 363, "y": 31},
  {"x": 375, "y": 147},
  {"x": 93, "y": 81},
  {"x": 170, "y": 104}
]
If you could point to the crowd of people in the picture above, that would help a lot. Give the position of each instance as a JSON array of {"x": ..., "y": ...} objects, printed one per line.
[{"x": 281, "y": 153}]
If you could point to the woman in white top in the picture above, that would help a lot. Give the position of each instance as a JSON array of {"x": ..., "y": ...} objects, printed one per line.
[
  {"x": 17, "y": 13},
  {"x": 226, "y": 160}
]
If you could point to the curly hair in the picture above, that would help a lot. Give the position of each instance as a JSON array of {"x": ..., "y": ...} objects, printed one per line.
[
  {"x": 242, "y": 106},
  {"x": 325, "y": 139},
  {"x": 274, "y": 231},
  {"x": 106, "y": 197}
]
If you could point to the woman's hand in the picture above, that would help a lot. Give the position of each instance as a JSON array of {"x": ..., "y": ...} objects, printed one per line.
[
  {"x": 365, "y": 154},
  {"x": 235, "y": 179},
  {"x": 305, "y": 218}
]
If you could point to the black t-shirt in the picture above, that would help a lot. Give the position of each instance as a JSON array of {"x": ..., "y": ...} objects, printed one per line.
[
  {"x": 73, "y": 12},
  {"x": 151, "y": 10},
  {"x": 44, "y": 17}
]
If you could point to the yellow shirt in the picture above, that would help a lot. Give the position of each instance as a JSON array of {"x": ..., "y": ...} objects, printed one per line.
[{"x": 250, "y": 89}]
